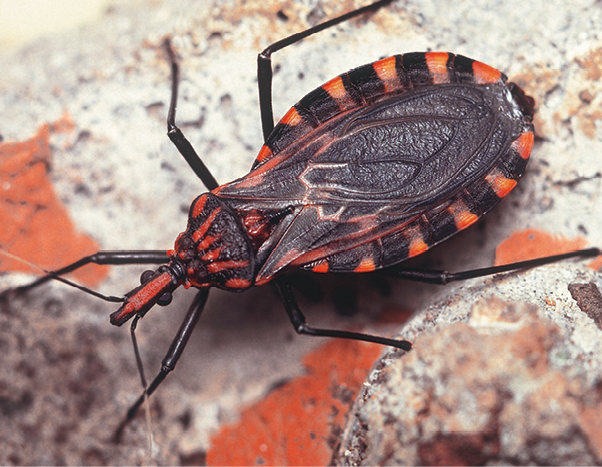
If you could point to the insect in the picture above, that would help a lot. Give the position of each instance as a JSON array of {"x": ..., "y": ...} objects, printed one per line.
[{"x": 373, "y": 167}]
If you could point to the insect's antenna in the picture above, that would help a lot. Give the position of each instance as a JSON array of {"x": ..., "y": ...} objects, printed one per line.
[
  {"x": 53, "y": 275},
  {"x": 143, "y": 380}
]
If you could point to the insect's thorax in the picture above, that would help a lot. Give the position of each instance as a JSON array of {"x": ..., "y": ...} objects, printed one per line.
[{"x": 215, "y": 249}]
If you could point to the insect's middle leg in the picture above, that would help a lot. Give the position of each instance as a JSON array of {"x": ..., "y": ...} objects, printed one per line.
[{"x": 175, "y": 134}]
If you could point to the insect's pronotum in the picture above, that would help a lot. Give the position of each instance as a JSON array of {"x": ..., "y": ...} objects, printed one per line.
[{"x": 373, "y": 167}]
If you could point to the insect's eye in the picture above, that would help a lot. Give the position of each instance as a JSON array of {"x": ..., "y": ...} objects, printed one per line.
[
  {"x": 145, "y": 276},
  {"x": 165, "y": 299}
]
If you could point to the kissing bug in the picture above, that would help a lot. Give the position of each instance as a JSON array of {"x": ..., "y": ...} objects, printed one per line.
[{"x": 265, "y": 220}]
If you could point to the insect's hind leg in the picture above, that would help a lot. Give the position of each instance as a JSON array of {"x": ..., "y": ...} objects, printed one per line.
[
  {"x": 445, "y": 277},
  {"x": 175, "y": 134},
  {"x": 264, "y": 62},
  {"x": 301, "y": 326}
]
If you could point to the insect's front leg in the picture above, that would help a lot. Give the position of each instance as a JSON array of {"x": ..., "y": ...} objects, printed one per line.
[{"x": 171, "y": 358}]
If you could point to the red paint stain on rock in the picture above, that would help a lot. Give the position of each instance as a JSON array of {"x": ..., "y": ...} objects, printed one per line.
[
  {"x": 36, "y": 227},
  {"x": 532, "y": 243},
  {"x": 596, "y": 264},
  {"x": 299, "y": 423}
]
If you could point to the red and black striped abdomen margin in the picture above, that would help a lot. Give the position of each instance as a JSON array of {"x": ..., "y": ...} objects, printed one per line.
[{"x": 368, "y": 83}]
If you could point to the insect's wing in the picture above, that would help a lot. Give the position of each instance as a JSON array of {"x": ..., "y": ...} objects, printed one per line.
[
  {"x": 336, "y": 239},
  {"x": 373, "y": 186}
]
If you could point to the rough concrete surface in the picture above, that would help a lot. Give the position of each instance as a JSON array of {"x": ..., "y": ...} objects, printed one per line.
[
  {"x": 500, "y": 374},
  {"x": 68, "y": 376}
]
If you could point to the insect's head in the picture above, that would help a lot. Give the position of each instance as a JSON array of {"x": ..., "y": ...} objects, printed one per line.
[
  {"x": 214, "y": 251},
  {"x": 156, "y": 288}
]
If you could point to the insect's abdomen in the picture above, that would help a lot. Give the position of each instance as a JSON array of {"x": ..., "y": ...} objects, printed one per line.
[{"x": 385, "y": 161}]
